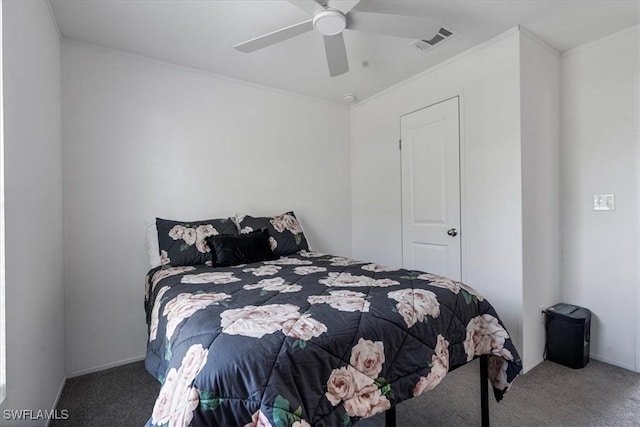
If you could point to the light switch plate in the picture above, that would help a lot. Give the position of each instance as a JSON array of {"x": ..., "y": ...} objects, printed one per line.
[{"x": 603, "y": 202}]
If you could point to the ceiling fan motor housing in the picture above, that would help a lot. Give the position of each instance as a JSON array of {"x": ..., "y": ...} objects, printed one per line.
[{"x": 329, "y": 22}]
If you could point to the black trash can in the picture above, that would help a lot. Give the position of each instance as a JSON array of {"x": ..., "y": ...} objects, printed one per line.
[{"x": 568, "y": 329}]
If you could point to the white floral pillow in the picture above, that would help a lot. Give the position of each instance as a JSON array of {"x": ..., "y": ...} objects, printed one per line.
[
  {"x": 287, "y": 236},
  {"x": 184, "y": 243}
]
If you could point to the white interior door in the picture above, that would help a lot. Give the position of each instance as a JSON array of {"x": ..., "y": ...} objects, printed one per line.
[{"x": 430, "y": 146}]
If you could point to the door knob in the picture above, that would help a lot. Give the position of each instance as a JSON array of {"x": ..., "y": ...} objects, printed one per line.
[{"x": 452, "y": 232}]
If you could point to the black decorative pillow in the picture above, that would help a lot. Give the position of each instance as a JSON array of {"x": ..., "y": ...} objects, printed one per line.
[
  {"x": 184, "y": 243},
  {"x": 285, "y": 231},
  {"x": 241, "y": 249}
]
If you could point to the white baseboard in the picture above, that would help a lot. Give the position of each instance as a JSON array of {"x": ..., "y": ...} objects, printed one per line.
[
  {"x": 592, "y": 356},
  {"x": 103, "y": 367},
  {"x": 530, "y": 366},
  {"x": 57, "y": 399},
  {"x": 613, "y": 362},
  {"x": 89, "y": 371}
]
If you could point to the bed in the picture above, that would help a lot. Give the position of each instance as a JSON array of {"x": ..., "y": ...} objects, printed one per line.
[{"x": 302, "y": 338}]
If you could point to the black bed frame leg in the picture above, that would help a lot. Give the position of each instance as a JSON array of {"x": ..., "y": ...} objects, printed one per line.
[
  {"x": 484, "y": 389},
  {"x": 390, "y": 414},
  {"x": 390, "y": 417}
]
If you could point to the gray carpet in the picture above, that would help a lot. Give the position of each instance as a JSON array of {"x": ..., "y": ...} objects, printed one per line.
[{"x": 549, "y": 395}]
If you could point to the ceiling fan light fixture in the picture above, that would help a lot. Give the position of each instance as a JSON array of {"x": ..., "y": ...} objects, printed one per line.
[{"x": 329, "y": 22}]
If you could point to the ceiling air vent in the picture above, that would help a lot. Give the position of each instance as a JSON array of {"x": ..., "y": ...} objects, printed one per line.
[{"x": 443, "y": 34}]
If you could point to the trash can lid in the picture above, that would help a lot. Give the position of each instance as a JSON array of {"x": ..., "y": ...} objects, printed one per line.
[{"x": 570, "y": 313}]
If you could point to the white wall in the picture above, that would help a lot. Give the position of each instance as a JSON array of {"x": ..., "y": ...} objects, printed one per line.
[
  {"x": 487, "y": 80},
  {"x": 600, "y": 152},
  {"x": 541, "y": 234},
  {"x": 33, "y": 207},
  {"x": 145, "y": 139}
]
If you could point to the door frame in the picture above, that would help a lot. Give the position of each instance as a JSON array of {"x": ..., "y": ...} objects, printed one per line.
[
  {"x": 429, "y": 102},
  {"x": 636, "y": 102}
]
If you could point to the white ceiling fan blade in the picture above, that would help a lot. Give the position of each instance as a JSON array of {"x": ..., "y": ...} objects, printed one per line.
[
  {"x": 336, "y": 55},
  {"x": 310, "y": 6},
  {"x": 393, "y": 25},
  {"x": 343, "y": 6},
  {"x": 275, "y": 37}
]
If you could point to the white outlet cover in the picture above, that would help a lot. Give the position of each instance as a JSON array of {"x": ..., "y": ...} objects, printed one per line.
[{"x": 603, "y": 202}]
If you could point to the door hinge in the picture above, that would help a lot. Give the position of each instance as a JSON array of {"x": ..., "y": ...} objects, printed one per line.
[{"x": 399, "y": 144}]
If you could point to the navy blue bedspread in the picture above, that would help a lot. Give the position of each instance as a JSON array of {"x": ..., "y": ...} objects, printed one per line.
[{"x": 310, "y": 339}]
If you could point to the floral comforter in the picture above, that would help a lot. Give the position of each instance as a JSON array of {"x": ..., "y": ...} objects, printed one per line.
[{"x": 310, "y": 339}]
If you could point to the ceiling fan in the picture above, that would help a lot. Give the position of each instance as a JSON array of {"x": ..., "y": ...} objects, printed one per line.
[{"x": 332, "y": 17}]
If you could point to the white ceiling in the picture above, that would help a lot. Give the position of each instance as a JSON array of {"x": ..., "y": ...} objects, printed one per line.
[{"x": 201, "y": 34}]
